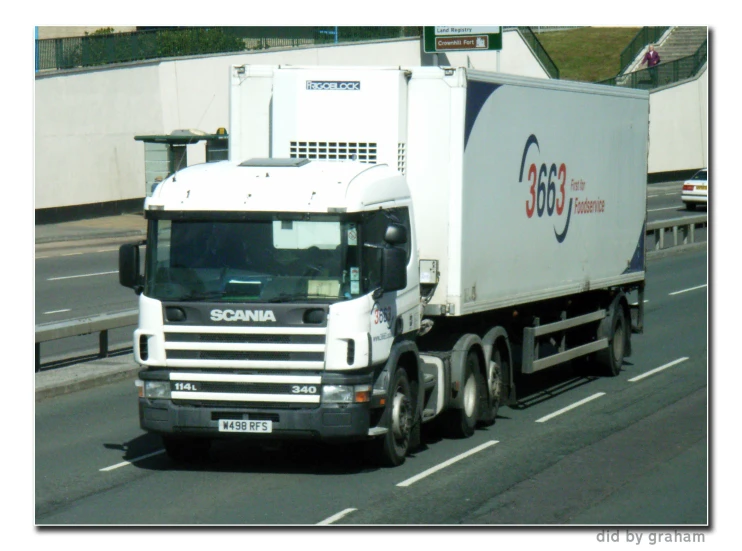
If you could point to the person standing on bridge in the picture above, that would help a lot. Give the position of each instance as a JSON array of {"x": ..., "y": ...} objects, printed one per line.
[{"x": 652, "y": 59}]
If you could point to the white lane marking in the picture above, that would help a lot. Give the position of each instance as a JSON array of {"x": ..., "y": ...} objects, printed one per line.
[
  {"x": 691, "y": 289},
  {"x": 106, "y": 250},
  {"x": 57, "y": 311},
  {"x": 653, "y": 371},
  {"x": 576, "y": 404},
  {"x": 664, "y": 208},
  {"x": 83, "y": 275},
  {"x": 445, "y": 464},
  {"x": 652, "y": 196},
  {"x": 71, "y": 254},
  {"x": 335, "y": 517},
  {"x": 125, "y": 463}
]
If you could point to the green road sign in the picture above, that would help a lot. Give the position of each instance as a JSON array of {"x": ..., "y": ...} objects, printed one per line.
[{"x": 461, "y": 39}]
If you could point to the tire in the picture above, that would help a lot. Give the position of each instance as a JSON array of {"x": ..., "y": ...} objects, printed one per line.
[
  {"x": 611, "y": 359},
  {"x": 460, "y": 423},
  {"x": 391, "y": 449},
  {"x": 690, "y": 206},
  {"x": 186, "y": 450},
  {"x": 496, "y": 386}
]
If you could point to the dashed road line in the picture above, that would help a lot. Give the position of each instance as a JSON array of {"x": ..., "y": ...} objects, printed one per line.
[
  {"x": 125, "y": 463},
  {"x": 57, "y": 311},
  {"x": 83, "y": 275},
  {"x": 576, "y": 404},
  {"x": 657, "y": 369},
  {"x": 336, "y": 517},
  {"x": 664, "y": 208},
  {"x": 445, "y": 464},
  {"x": 691, "y": 289}
]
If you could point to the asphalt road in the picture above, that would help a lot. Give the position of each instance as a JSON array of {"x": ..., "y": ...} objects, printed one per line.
[
  {"x": 574, "y": 450},
  {"x": 75, "y": 280}
]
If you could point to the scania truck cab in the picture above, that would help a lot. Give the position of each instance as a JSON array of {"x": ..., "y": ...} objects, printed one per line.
[{"x": 275, "y": 293}]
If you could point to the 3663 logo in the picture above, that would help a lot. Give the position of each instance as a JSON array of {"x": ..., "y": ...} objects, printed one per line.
[{"x": 547, "y": 194}]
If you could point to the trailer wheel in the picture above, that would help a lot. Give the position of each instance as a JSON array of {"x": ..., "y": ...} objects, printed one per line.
[
  {"x": 391, "y": 449},
  {"x": 495, "y": 385},
  {"x": 460, "y": 423},
  {"x": 186, "y": 450},
  {"x": 611, "y": 359}
]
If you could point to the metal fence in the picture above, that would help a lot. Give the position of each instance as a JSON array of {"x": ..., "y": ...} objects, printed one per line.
[
  {"x": 532, "y": 40},
  {"x": 647, "y": 35},
  {"x": 103, "y": 49},
  {"x": 664, "y": 73}
]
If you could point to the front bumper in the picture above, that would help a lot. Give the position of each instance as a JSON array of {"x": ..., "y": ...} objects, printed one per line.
[{"x": 326, "y": 422}]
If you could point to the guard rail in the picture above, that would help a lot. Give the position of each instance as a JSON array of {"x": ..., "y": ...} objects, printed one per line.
[
  {"x": 84, "y": 326},
  {"x": 682, "y": 232}
]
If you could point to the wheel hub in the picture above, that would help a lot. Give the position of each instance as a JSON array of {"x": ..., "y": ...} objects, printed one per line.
[
  {"x": 470, "y": 396},
  {"x": 401, "y": 417}
]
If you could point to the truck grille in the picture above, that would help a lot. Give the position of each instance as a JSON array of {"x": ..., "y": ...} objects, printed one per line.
[
  {"x": 250, "y": 356},
  {"x": 246, "y": 348}
]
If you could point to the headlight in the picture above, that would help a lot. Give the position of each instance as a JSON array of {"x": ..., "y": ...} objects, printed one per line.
[
  {"x": 338, "y": 394},
  {"x": 157, "y": 389},
  {"x": 346, "y": 394}
]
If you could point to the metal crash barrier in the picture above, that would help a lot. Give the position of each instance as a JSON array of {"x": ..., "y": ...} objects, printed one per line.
[
  {"x": 84, "y": 326},
  {"x": 677, "y": 232},
  {"x": 665, "y": 234}
]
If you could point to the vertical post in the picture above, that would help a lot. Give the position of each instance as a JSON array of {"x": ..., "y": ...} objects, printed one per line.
[
  {"x": 103, "y": 342},
  {"x": 38, "y": 357},
  {"x": 435, "y": 60},
  {"x": 497, "y": 65}
]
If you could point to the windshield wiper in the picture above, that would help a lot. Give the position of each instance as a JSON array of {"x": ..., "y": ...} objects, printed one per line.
[{"x": 288, "y": 297}]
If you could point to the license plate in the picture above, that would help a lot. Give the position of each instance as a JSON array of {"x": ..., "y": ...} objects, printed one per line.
[
  {"x": 230, "y": 425},
  {"x": 701, "y": 188}
]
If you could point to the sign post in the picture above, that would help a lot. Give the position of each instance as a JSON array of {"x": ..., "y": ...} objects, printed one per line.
[{"x": 467, "y": 39}]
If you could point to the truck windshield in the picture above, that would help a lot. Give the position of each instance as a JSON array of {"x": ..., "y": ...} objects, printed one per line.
[{"x": 270, "y": 260}]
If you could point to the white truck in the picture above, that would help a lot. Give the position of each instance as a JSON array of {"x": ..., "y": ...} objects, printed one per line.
[{"x": 388, "y": 246}]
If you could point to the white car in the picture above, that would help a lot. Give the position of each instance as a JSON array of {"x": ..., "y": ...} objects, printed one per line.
[{"x": 696, "y": 190}]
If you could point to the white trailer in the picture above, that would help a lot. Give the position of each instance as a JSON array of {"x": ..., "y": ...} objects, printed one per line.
[{"x": 390, "y": 246}]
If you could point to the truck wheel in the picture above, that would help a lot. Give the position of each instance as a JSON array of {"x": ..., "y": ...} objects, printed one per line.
[
  {"x": 495, "y": 386},
  {"x": 186, "y": 450},
  {"x": 460, "y": 423},
  {"x": 391, "y": 449},
  {"x": 611, "y": 359}
]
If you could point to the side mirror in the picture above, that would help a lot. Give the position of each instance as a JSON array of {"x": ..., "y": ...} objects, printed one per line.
[
  {"x": 393, "y": 269},
  {"x": 129, "y": 267},
  {"x": 396, "y": 234}
]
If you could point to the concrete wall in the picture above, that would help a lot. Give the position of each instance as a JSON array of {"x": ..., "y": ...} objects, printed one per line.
[
  {"x": 67, "y": 32},
  {"x": 86, "y": 120},
  {"x": 678, "y": 126}
]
